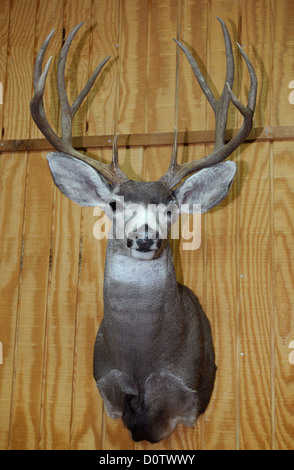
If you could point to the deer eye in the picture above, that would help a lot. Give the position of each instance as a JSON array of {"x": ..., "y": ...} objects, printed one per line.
[{"x": 113, "y": 205}]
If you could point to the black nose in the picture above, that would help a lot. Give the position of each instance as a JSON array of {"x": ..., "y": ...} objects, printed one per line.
[{"x": 144, "y": 244}]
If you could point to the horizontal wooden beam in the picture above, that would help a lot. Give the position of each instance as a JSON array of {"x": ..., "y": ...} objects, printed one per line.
[{"x": 148, "y": 140}]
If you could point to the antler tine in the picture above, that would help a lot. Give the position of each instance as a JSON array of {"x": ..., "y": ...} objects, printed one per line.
[
  {"x": 111, "y": 172},
  {"x": 114, "y": 164},
  {"x": 173, "y": 166},
  {"x": 68, "y": 111},
  {"x": 220, "y": 107}
]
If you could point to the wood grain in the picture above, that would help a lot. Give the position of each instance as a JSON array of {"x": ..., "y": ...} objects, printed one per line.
[
  {"x": 193, "y": 32},
  {"x": 62, "y": 295},
  {"x": 284, "y": 299},
  {"x": 221, "y": 260},
  {"x": 32, "y": 303},
  {"x": 4, "y": 28},
  {"x": 52, "y": 267},
  {"x": 19, "y": 72},
  {"x": 104, "y": 41},
  {"x": 255, "y": 300},
  {"x": 133, "y": 63},
  {"x": 282, "y": 59},
  {"x": 13, "y": 175}
]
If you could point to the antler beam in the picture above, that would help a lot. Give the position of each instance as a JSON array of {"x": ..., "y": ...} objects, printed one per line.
[
  {"x": 112, "y": 171},
  {"x": 222, "y": 150}
]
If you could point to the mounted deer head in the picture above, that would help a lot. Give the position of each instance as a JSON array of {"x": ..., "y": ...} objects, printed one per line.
[{"x": 154, "y": 359}]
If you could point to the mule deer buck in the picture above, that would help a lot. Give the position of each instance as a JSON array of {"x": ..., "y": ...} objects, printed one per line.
[{"x": 154, "y": 361}]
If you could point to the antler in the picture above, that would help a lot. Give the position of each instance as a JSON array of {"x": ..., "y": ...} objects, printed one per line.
[
  {"x": 111, "y": 171},
  {"x": 222, "y": 150}
]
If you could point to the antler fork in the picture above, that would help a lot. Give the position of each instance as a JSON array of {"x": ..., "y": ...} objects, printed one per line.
[
  {"x": 222, "y": 150},
  {"x": 111, "y": 171}
]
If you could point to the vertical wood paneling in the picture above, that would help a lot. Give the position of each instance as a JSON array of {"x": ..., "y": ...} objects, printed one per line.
[
  {"x": 26, "y": 390},
  {"x": 255, "y": 299},
  {"x": 283, "y": 58},
  {"x": 133, "y": 65},
  {"x": 52, "y": 267},
  {"x": 65, "y": 243},
  {"x": 49, "y": 16},
  {"x": 32, "y": 302},
  {"x": 284, "y": 298},
  {"x": 13, "y": 175},
  {"x": 221, "y": 259},
  {"x": 102, "y": 102},
  {"x": 11, "y": 218},
  {"x": 18, "y": 87},
  {"x": 162, "y": 66},
  {"x": 193, "y": 32},
  {"x": 222, "y": 310},
  {"x": 282, "y": 112},
  {"x": 256, "y": 289},
  {"x": 4, "y": 29}
]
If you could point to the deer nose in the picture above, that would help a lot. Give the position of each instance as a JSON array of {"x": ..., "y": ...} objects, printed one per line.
[{"x": 144, "y": 244}]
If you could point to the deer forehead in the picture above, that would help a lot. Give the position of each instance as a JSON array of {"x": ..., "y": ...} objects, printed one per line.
[
  {"x": 145, "y": 204},
  {"x": 145, "y": 193}
]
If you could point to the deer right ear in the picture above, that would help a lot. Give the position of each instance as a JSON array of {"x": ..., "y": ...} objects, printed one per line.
[
  {"x": 206, "y": 188},
  {"x": 79, "y": 181}
]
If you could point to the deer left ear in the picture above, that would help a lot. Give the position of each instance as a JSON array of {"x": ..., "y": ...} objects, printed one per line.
[
  {"x": 79, "y": 181},
  {"x": 208, "y": 187}
]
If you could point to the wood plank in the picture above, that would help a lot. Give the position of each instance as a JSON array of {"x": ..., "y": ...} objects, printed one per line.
[
  {"x": 13, "y": 175},
  {"x": 284, "y": 299},
  {"x": 222, "y": 258},
  {"x": 59, "y": 379},
  {"x": 4, "y": 29},
  {"x": 149, "y": 139},
  {"x": 283, "y": 57},
  {"x": 104, "y": 41},
  {"x": 221, "y": 308},
  {"x": 161, "y": 100},
  {"x": 26, "y": 414},
  {"x": 19, "y": 83},
  {"x": 133, "y": 65},
  {"x": 87, "y": 409},
  {"x": 47, "y": 20},
  {"x": 16, "y": 118},
  {"x": 192, "y": 32},
  {"x": 255, "y": 299},
  {"x": 27, "y": 387}
]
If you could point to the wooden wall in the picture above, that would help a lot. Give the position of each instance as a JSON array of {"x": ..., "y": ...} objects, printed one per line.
[{"x": 51, "y": 266}]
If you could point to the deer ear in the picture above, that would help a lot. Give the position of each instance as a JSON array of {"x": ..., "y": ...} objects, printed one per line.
[
  {"x": 78, "y": 181},
  {"x": 208, "y": 187}
]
